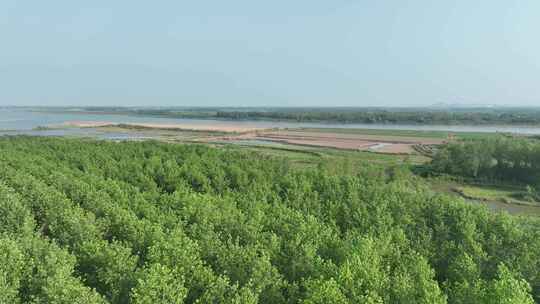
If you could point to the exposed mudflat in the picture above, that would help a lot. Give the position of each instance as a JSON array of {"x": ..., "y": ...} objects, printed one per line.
[{"x": 211, "y": 126}]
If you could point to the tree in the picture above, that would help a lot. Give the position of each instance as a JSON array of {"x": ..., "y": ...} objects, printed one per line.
[
  {"x": 324, "y": 291},
  {"x": 12, "y": 270},
  {"x": 507, "y": 289},
  {"x": 159, "y": 284},
  {"x": 109, "y": 268},
  {"x": 414, "y": 282}
]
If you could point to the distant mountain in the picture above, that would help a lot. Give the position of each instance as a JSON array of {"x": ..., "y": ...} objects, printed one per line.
[{"x": 444, "y": 105}]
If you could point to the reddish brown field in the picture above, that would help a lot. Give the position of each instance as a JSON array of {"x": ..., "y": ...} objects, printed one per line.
[
  {"x": 376, "y": 143},
  {"x": 243, "y": 131}
]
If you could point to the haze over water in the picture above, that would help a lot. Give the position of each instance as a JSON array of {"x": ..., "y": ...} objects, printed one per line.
[{"x": 24, "y": 120}]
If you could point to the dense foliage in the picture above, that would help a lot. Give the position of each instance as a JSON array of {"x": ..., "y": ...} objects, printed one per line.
[
  {"x": 101, "y": 222},
  {"x": 502, "y": 158}
]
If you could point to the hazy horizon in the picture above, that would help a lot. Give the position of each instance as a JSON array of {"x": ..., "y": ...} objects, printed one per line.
[
  {"x": 270, "y": 107},
  {"x": 246, "y": 54}
]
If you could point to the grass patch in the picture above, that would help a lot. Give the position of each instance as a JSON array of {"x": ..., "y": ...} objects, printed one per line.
[
  {"x": 495, "y": 197},
  {"x": 504, "y": 194},
  {"x": 339, "y": 161}
]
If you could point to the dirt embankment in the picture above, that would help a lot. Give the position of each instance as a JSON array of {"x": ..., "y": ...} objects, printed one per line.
[
  {"x": 354, "y": 137},
  {"x": 214, "y": 127}
]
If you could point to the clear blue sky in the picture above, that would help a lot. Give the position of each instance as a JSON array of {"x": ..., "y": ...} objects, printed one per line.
[{"x": 269, "y": 53}]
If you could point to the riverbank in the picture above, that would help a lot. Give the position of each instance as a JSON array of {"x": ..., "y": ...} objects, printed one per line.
[{"x": 496, "y": 197}]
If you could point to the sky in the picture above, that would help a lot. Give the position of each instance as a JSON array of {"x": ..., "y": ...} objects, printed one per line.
[{"x": 270, "y": 53}]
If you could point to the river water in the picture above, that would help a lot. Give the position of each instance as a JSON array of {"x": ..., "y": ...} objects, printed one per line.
[{"x": 21, "y": 121}]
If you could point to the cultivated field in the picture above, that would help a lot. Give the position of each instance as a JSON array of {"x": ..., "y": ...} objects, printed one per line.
[
  {"x": 392, "y": 142},
  {"x": 346, "y": 141}
]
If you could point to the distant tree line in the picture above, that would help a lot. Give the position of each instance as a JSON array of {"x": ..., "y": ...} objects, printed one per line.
[
  {"x": 390, "y": 117},
  {"x": 501, "y": 158},
  {"x": 85, "y": 221},
  {"x": 431, "y": 116}
]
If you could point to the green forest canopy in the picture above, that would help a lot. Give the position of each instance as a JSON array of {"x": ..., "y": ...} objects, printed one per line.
[{"x": 86, "y": 221}]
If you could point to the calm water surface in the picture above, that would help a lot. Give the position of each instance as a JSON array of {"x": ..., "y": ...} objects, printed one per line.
[{"x": 23, "y": 120}]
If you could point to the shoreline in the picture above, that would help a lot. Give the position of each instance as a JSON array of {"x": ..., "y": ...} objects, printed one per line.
[{"x": 270, "y": 120}]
